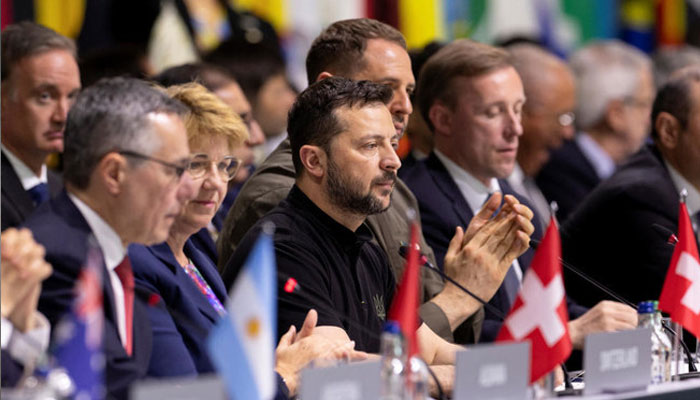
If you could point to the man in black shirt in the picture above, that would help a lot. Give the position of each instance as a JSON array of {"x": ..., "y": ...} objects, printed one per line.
[{"x": 343, "y": 147}]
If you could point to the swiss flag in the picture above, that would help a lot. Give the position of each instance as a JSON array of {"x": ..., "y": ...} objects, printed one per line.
[
  {"x": 539, "y": 313},
  {"x": 680, "y": 296},
  {"x": 404, "y": 307}
]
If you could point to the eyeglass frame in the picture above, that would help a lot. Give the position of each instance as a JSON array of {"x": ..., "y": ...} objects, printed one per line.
[
  {"x": 179, "y": 169},
  {"x": 228, "y": 178}
]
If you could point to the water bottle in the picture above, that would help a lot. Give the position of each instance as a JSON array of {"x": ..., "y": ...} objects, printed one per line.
[
  {"x": 393, "y": 351},
  {"x": 660, "y": 344},
  {"x": 666, "y": 340},
  {"x": 418, "y": 376}
]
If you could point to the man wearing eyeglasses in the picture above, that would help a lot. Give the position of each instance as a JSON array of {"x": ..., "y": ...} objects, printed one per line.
[
  {"x": 615, "y": 91},
  {"x": 547, "y": 118},
  {"x": 125, "y": 159}
]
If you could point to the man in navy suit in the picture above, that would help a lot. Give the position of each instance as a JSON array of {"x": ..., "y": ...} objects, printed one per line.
[
  {"x": 630, "y": 217},
  {"x": 40, "y": 80},
  {"x": 125, "y": 156},
  {"x": 472, "y": 97}
]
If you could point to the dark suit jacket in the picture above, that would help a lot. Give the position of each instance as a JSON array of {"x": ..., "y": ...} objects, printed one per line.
[
  {"x": 611, "y": 236},
  {"x": 12, "y": 370},
  {"x": 62, "y": 230},
  {"x": 16, "y": 203},
  {"x": 443, "y": 208},
  {"x": 180, "y": 330},
  {"x": 567, "y": 178}
]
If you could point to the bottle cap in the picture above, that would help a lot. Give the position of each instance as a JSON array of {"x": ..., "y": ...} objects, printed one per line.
[
  {"x": 392, "y": 327},
  {"x": 645, "y": 307}
]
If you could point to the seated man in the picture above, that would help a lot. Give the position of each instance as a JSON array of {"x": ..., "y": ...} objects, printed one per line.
[
  {"x": 343, "y": 148},
  {"x": 25, "y": 332},
  {"x": 125, "y": 157},
  {"x": 368, "y": 49},
  {"x": 630, "y": 217},
  {"x": 471, "y": 96},
  {"x": 40, "y": 80}
]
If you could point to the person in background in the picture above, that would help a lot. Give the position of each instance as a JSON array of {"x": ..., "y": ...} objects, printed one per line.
[
  {"x": 614, "y": 92},
  {"x": 261, "y": 71},
  {"x": 222, "y": 84},
  {"x": 40, "y": 81}
]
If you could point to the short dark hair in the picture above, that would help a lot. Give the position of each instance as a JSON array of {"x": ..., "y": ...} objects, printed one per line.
[
  {"x": 461, "y": 58},
  {"x": 210, "y": 76},
  {"x": 312, "y": 118},
  {"x": 340, "y": 48},
  {"x": 25, "y": 39},
  {"x": 251, "y": 64},
  {"x": 674, "y": 97},
  {"x": 108, "y": 116}
]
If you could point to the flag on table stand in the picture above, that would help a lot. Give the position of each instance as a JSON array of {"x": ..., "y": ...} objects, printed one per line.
[
  {"x": 404, "y": 308},
  {"x": 78, "y": 336},
  {"x": 242, "y": 344},
  {"x": 680, "y": 296},
  {"x": 539, "y": 312}
]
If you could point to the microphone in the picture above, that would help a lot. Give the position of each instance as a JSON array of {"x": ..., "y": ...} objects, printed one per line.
[
  {"x": 665, "y": 233},
  {"x": 423, "y": 261}
]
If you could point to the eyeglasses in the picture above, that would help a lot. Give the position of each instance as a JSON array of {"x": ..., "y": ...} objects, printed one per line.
[
  {"x": 179, "y": 169},
  {"x": 226, "y": 167},
  {"x": 566, "y": 119}
]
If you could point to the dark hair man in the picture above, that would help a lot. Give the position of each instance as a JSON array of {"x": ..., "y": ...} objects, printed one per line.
[
  {"x": 371, "y": 50},
  {"x": 343, "y": 143},
  {"x": 40, "y": 80},
  {"x": 623, "y": 214},
  {"x": 125, "y": 159},
  {"x": 472, "y": 98}
]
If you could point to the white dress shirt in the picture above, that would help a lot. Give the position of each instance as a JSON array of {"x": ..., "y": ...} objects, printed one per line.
[
  {"x": 474, "y": 192},
  {"x": 692, "y": 202},
  {"x": 603, "y": 164},
  {"x": 113, "y": 251},
  {"x": 26, "y": 347},
  {"x": 26, "y": 176}
]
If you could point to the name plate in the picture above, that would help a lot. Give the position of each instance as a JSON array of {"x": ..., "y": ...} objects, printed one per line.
[
  {"x": 618, "y": 361},
  {"x": 493, "y": 371},
  {"x": 202, "y": 387},
  {"x": 354, "y": 381}
]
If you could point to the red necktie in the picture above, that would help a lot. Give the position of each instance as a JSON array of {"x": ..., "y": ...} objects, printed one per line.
[{"x": 126, "y": 276}]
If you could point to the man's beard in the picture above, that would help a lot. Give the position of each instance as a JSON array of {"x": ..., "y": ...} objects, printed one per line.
[{"x": 345, "y": 192}]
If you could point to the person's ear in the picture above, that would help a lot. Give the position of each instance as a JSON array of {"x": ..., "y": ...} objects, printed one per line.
[
  {"x": 441, "y": 117},
  {"x": 314, "y": 159},
  {"x": 111, "y": 171},
  {"x": 668, "y": 130},
  {"x": 615, "y": 116},
  {"x": 323, "y": 75}
]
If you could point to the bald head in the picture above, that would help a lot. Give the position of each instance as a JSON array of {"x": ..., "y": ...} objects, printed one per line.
[{"x": 548, "y": 113}]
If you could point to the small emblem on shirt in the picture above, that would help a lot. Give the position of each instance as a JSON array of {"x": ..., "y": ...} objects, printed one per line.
[{"x": 379, "y": 306}]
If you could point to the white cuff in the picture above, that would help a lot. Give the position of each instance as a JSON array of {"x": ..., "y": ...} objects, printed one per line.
[
  {"x": 6, "y": 332},
  {"x": 27, "y": 347}
]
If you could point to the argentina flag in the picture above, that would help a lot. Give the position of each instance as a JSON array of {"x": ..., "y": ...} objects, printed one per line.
[{"x": 242, "y": 344}]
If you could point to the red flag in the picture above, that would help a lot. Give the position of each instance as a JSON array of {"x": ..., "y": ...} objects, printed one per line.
[
  {"x": 680, "y": 296},
  {"x": 539, "y": 313},
  {"x": 404, "y": 308}
]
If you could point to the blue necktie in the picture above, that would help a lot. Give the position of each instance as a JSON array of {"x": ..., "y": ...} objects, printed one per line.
[{"x": 39, "y": 193}]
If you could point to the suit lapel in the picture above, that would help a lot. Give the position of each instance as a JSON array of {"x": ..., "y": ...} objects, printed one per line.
[
  {"x": 443, "y": 180},
  {"x": 13, "y": 192},
  {"x": 185, "y": 283}
]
